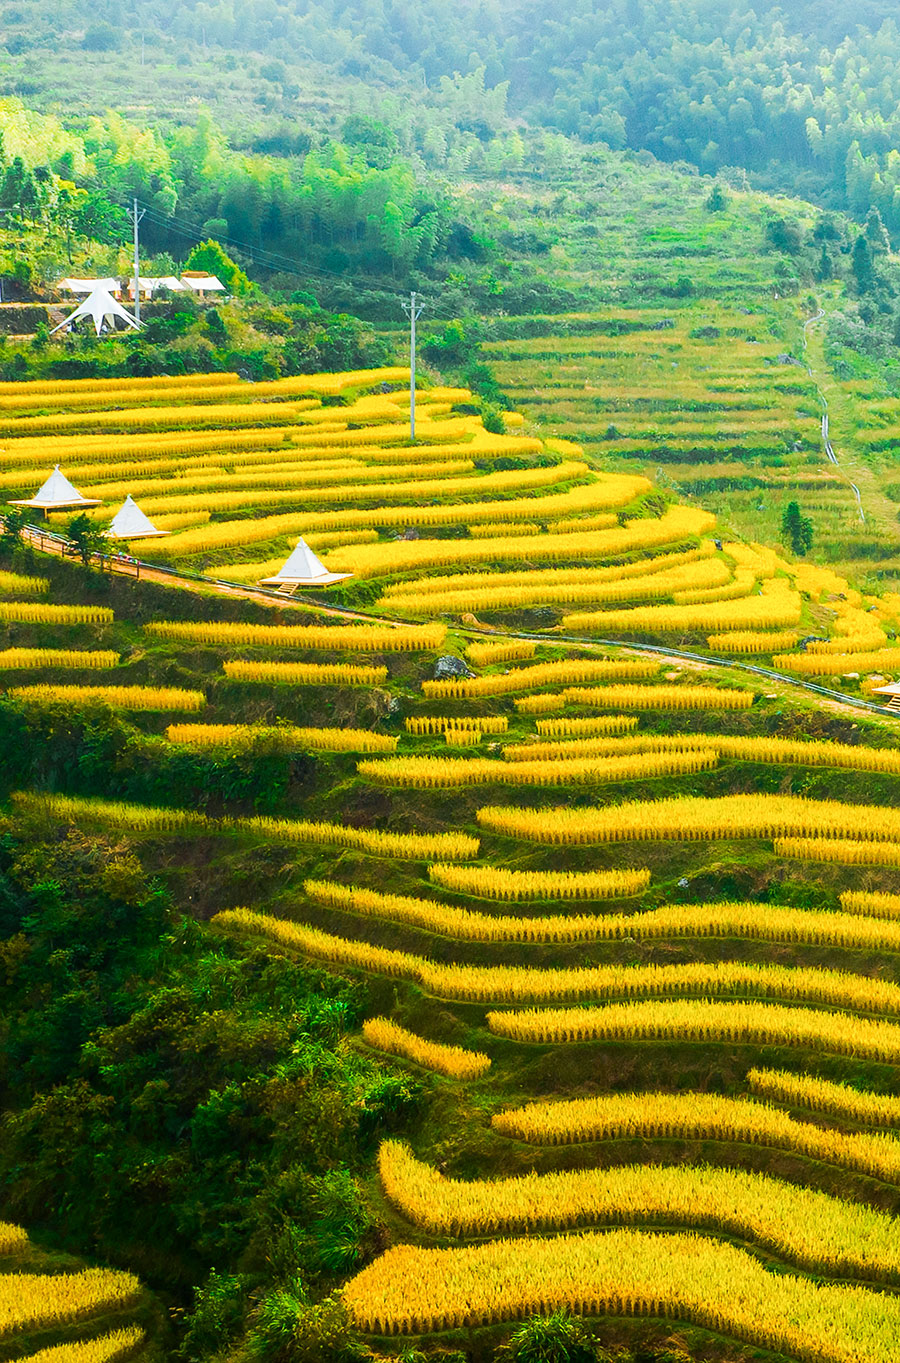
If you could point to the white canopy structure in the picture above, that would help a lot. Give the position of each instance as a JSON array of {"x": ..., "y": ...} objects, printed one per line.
[
  {"x": 130, "y": 523},
  {"x": 200, "y": 283},
  {"x": 303, "y": 569},
  {"x": 103, "y": 310},
  {"x": 89, "y": 286},
  {"x": 58, "y": 493},
  {"x": 151, "y": 284}
]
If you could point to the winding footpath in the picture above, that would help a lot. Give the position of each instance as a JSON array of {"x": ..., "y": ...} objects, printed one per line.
[
  {"x": 829, "y": 448},
  {"x": 136, "y": 568}
]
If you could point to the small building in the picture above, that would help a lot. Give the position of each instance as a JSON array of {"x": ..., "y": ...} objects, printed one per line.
[
  {"x": 303, "y": 569},
  {"x": 153, "y": 284},
  {"x": 891, "y": 694},
  {"x": 82, "y": 287},
  {"x": 130, "y": 523},
  {"x": 58, "y": 494},
  {"x": 201, "y": 284},
  {"x": 103, "y": 310}
]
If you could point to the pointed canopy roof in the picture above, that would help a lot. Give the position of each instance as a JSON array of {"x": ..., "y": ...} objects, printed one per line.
[
  {"x": 87, "y": 285},
  {"x": 101, "y": 307},
  {"x": 130, "y": 523},
  {"x": 57, "y": 493},
  {"x": 303, "y": 569}
]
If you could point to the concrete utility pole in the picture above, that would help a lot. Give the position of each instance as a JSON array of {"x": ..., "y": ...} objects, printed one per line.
[
  {"x": 135, "y": 215},
  {"x": 413, "y": 311}
]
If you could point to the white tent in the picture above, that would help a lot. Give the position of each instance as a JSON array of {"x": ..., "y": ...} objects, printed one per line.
[
  {"x": 151, "y": 284},
  {"x": 89, "y": 286},
  {"x": 130, "y": 523},
  {"x": 58, "y": 493},
  {"x": 303, "y": 569},
  {"x": 202, "y": 283},
  {"x": 103, "y": 309}
]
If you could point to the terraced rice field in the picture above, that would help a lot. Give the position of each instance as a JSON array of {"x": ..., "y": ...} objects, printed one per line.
[{"x": 630, "y": 922}]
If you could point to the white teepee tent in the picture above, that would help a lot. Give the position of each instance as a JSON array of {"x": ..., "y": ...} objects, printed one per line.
[
  {"x": 130, "y": 523},
  {"x": 56, "y": 494},
  {"x": 303, "y": 569},
  {"x": 102, "y": 308}
]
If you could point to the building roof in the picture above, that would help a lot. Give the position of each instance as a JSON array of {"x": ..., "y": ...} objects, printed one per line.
[
  {"x": 130, "y": 523},
  {"x": 56, "y": 493},
  {"x": 303, "y": 569},
  {"x": 150, "y": 284},
  {"x": 202, "y": 282},
  {"x": 101, "y": 307},
  {"x": 88, "y": 285},
  {"x": 892, "y": 689}
]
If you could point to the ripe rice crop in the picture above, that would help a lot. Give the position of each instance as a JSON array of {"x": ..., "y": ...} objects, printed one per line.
[
  {"x": 752, "y": 641},
  {"x": 780, "y": 611},
  {"x": 845, "y": 851},
  {"x": 631, "y": 587},
  {"x": 704, "y": 1021},
  {"x": 375, "y": 560},
  {"x": 104, "y": 1349},
  {"x": 587, "y": 727},
  {"x": 496, "y": 882},
  {"x": 541, "y": 674},
  {"x": 43, "y": 613},
  {"x": 429, "y": 773},
  {"x": 873, "y": 904},
  {"x": 695, "y": 818},
  {"x": 819, "y": 1232},
  {"x": 753, "y": 922},
  {"x": 12, "y": 1238},
  {"x": 698, "y": 1116},
  {"x": 449, "y": 582},
  {"x": 822, "y": 1095},
  {"x": 675, "y": 697},
  {"x": 491, "y": 530},
  {"x": 116, "y": 385},
  {"x": 222, "y": 491},
  {"x": 515, "y": 984},
  {"x": 743, "y": 747},
  {"x": 457, "y": 737},
  {"x": 677, "y": 1276},
  {"x": 43, "y": 1300},
  {"x": 832, "y": 664},
  {"x": 503, "y": 651},
  {"x": 58, "y": 657},
  {"x": 305, "y": 674},
  {"x": 581, "y": 523},
  {"x": 14, "y": 584},
  {"x": 437, "y": 724},
  {"x": 178, "y": 520},
  {"x": 150, "y": 819},
  {"x": 741, "y": 587},
  {"x": 154, "y": 418},
  {"x": 279, "y": 738},
  {"x": 453, "y": 1061},
  {"x": 358, "y": 638},
  {"x": 120, "y": 697},
  {"x": 464, "y": 924}
]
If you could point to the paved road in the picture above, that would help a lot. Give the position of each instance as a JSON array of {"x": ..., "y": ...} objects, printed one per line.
[{"x": 172, "y": 578}]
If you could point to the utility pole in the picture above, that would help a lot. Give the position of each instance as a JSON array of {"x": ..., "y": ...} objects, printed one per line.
[
  {"x": 413, "y": 311},
  {"x": 135, "y": 214}
]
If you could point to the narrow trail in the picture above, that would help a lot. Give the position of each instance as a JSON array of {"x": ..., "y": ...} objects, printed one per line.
[
  {"x": 47, "y": 542},
  {"x": 829, "y": 448}
]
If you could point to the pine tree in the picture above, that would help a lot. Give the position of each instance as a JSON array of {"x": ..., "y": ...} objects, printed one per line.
[
  {"x": 876, "y": 233},
  {"x": 861, "y": 261},
  {"x": 796, "y": 530}
]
